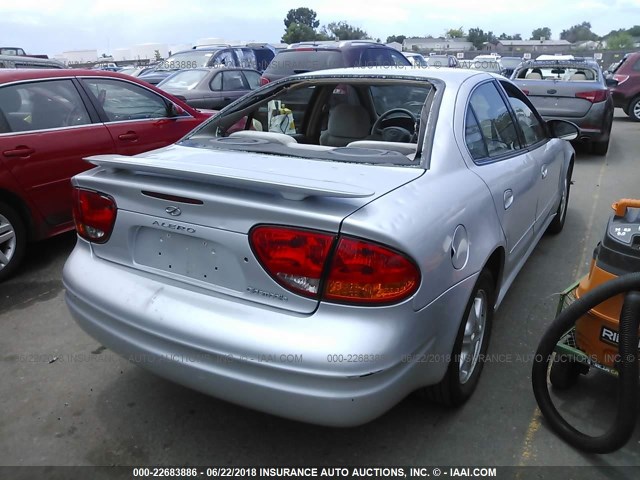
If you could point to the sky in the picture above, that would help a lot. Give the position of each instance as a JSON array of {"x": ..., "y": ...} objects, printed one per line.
[{"x": 51, "y": 27}]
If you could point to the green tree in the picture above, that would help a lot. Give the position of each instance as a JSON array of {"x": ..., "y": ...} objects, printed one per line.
[
  {"x": 504, "y": 36},
  {"x": 619, "y": 41},
  {"x": 301, "y": 16},
  {"x": 579, "y": 33},
  {"x": 344, "y": 31},
  {"x": 477, "y": 37},
  {"x": 455, "y": 33},
  {"x": 396, "y": 38},
  {"x": 297, "y": 32},
  {"x": 541, "y": 32},
  {"x": 156, "y": 53}
]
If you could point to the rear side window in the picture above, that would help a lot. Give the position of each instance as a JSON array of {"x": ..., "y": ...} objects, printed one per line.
[
  {"x": 473, "y": 137},
  {"x": 301, "y": 61},
  {"x": 636, "y": 66},
  {"x": 42, "y": 106}
]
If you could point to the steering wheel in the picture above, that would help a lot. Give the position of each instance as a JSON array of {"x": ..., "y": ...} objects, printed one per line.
[{"x": 394, "y": 134}]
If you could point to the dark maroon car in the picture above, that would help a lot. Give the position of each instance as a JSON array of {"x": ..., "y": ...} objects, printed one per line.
[
  {"x": 49, "y": 121},
  {"x": 626, "y": 94}
]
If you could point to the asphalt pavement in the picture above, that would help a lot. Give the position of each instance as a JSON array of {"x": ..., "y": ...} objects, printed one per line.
[{"x": 68, "y": 401}]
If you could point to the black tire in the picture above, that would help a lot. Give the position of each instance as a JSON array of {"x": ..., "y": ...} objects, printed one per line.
[
  {"x": 600, "y": 148},
  {"x": 452, "y": 391},
  {"x": 634, "y": 109},
  {"x": 557, "y": 224},
  {"x": 12, "y": 248}
]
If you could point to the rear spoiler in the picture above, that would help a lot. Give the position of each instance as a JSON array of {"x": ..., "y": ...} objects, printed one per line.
[{"x": 288, "y": 186}]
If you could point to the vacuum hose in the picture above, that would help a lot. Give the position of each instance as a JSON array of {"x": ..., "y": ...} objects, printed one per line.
[{"x": 627, "y": 405}]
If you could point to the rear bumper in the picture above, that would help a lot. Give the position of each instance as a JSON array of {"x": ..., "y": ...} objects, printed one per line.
[{"x": 340, "y": 366}]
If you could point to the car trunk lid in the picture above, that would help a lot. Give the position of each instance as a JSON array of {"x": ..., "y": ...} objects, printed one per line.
[
  {"x": 558, "y": 98},
  {"x": 186, "y": 213}
]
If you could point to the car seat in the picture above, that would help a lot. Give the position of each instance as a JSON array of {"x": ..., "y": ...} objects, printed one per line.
[
  {"x": 47, "y": 113},
  {"x": 535, "y": 74},
  {"x": 578, "y": 76},
  {"x": 347, "y": 123}
]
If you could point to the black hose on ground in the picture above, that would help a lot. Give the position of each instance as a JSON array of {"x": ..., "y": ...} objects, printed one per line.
[{"x": 627, "y": 403}]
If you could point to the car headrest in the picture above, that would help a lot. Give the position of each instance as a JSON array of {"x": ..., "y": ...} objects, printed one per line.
[
  {"x": 349, "y": 121},
  {"x": 578, "y": 76},
  {"x": 10, "y": 100}
]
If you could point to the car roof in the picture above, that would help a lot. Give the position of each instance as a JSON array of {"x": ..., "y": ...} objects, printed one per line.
[{"x": 450, "y": 76}]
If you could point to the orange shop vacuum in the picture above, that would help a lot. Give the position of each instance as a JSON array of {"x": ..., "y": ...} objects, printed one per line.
[{"x": 596, "y": 326}]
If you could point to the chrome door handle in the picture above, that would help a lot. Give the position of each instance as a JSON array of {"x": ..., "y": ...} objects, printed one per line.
[
  {"x": 544, "y": 171},
  {"x": 508, "y": 198}
]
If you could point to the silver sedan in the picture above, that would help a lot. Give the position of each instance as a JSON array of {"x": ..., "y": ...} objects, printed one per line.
[{"x": 326, "y": 245}]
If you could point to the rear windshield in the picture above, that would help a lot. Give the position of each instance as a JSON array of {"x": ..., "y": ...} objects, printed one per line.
[
  {"x": 187, "y": 80},
  {"x": 192, "y": 59},
  {"x": 290, "y": 62},
  {"x": 351, "y": 120},
  {"x": 566, "y": 73}
]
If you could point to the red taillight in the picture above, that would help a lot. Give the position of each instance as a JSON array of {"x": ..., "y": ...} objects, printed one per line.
[
  {"x": 594, "y": 96},
  {"x": 294, "y": 258},
  {"x": 364, "y": 272},
  {"x": 360, "y": 272},
  {"x": 264, "y": 81},
  {"x": 94, "y": 214},
  {"x": 621, "y": 78}
]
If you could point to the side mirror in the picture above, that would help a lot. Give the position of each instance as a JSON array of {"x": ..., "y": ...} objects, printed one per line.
[
  {"x": 611, "y": 82},
  {"x": 563, "y": 129},
  {"x": 174, "y": 110}
]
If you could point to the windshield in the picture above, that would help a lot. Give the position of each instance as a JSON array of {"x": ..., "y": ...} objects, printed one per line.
[
  {"x": 190, "y": 59},
  {"x": 187, "y": 80},
  {"x": 325, "y": 119}
]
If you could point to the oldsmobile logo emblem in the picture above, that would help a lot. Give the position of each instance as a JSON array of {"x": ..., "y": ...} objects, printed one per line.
[{"x": 173, "y": 211}]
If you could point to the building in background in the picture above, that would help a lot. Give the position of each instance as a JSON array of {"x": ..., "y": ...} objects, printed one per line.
[
  {"x": 72, "y": 57},
  {"x": 425, "y": 44}
]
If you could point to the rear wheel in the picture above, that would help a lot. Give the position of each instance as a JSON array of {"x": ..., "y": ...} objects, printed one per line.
[
  {"x": 634, "y": 110},
  {"x": 470, "y": 348},
  {"x": 12, "y": 240}
]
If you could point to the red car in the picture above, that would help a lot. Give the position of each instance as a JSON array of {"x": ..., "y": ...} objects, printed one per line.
[
  {"x": 49, "y": 121},
  {"x": 626, "y": 94}
]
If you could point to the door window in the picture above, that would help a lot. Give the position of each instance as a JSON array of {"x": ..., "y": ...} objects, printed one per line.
[
  {"x": 42, "y": 105},
  {"x": 473, "y": 137},
  {"x": 494, "y": 120},
  {"x": 253, "y": 79},
  {"x": 233, "y": 80},
  {"x": 122, "y": 101}
]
